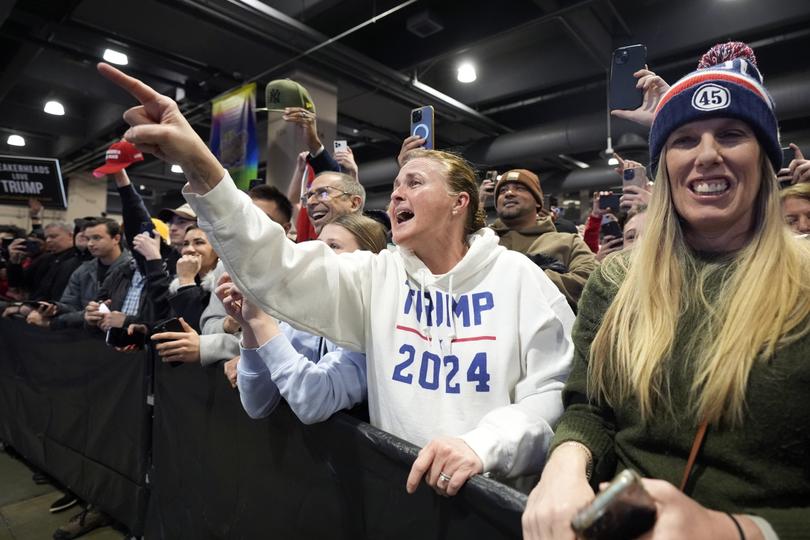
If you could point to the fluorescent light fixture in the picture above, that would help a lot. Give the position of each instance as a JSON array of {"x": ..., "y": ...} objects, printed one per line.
[
  {"x": 15, "y": 140},
  {"x": 55, "y": 108},
  {"x": 466, "y": 73},
  {"x": 572, "y": 161},
  {"x": 613, "y": 162},
  {"x": 177, "y": 169},
  {"x": 115, "y": 57}
]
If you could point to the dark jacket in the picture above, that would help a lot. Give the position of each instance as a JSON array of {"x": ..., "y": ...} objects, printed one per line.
[
  {"x": 82, "y": 288},
  {"x": 136, "y": 219},
  {"x": 575, "y": 258},
  {"x": 190, "y": 301},
  {"x": 117, "y": 283},
  {"x": 47, "y": 276}
]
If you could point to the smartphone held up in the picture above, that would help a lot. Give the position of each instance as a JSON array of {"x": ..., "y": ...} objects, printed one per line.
[
  {"x": 626, "y": 61},
  {"x": 422, "y": 125}
]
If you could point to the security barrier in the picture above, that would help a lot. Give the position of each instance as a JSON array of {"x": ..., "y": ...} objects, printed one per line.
[{"x": 197, "y": 467}]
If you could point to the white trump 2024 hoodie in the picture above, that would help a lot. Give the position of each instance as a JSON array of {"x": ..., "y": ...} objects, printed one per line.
[{"x": 481, "y": 353}]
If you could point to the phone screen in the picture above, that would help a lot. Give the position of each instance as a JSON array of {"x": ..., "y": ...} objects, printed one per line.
[
  {"x": 422, "y": 125},
  {"x": 609, "y": 201},
  {"x": 623, "y": 92}
]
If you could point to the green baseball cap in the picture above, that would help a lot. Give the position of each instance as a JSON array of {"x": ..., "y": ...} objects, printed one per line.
[{"x": 283, "y": 93}]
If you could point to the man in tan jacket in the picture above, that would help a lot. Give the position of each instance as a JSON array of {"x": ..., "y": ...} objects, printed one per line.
[{"x": 564, "y": 257}]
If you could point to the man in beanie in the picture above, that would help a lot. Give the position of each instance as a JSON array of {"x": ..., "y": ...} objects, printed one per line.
[{"x": 564, "y": 257}]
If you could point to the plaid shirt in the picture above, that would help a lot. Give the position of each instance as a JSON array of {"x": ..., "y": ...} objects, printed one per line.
[{"x": 133, "y": 299}]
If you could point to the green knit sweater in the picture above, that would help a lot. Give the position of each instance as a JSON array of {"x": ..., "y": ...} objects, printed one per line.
[{"x": 761, "y": 468}]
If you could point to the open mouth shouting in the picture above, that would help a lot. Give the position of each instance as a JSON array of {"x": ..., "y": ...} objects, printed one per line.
[{"x": 401, "y": 215}]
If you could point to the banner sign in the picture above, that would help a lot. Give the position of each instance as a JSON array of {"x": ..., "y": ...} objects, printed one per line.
[
  {"x": 24, "y": 177},
  {"x": 233, "y": 134}
]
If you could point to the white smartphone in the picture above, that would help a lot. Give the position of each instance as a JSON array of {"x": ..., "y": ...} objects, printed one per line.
[{"x": 341, "y": 145}]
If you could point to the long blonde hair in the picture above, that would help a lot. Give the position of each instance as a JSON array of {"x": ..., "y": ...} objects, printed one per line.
[{"x": 763, "y": 304}]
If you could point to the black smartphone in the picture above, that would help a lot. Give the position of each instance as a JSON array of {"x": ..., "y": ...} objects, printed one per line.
[
  {"x": 168, "y": 325},
  {"x": 611, "y": 228},
  {"x": 623, "y": 92},
  {"x": 609, "y": 201},
  {"x": 422, "y": 125},
  {"x": 33, "y": 247},
  {"x": 622, "y": 510},
  {"x": 118, "y": 337},
  {"x": 788, "y": 155}
]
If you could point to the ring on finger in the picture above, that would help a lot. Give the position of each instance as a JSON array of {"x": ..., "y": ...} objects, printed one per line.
[{"x": 444, "y": 477}]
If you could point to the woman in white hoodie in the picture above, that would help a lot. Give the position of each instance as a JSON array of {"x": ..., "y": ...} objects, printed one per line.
[{"x": 468, "y": 345}]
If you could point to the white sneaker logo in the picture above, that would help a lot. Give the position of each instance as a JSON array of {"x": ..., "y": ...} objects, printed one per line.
[{"x": 711, "y": 97}]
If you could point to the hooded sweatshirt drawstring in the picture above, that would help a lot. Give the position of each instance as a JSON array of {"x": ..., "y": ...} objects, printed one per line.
[{"x": 446, "y": 344}]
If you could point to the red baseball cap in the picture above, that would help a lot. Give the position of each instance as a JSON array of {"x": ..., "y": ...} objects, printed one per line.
[{"x": 119, "y": 156}]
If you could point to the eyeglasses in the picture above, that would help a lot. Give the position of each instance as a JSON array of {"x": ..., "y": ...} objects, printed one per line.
[{"x": 322, "y": 193}]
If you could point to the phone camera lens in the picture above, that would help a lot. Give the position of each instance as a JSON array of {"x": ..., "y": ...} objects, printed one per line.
[
  {"x": 416, "y": 116},
  {"x": 622, "y": 57}
]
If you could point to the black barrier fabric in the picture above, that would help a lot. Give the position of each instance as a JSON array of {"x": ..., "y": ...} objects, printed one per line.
[
  {"x": 219, "y": 474},
  {"x": 77, "y": 410}
]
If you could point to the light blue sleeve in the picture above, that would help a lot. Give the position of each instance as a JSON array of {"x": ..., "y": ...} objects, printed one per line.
[
  {"x": 257, "y": 391},
  {"x": 314, "y": 391}
]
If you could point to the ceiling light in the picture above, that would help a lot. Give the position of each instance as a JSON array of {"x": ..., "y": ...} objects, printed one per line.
[
  {"x": 466, "y": 73},
  {"x": 115, "y": 57},
  {"x": 177, "y": 169},
  {"x": 572, "y": 161},
  {"x": 55, "y": 108},
  {"x": 15, "y": 140},
  {"x": 355, "y": 131},
  {"x": 613, "y": 162}
]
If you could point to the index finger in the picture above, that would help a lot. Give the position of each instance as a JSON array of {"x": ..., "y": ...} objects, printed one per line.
[
  {"x": 136, "y": 88},
  {"x": 168, "y": 336},
  {"x": 419, "y": 468},
  {"x": 797, "y": 153}
]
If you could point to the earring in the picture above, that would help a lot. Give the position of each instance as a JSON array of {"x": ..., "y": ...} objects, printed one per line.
[{"x": 455, "y": 212}]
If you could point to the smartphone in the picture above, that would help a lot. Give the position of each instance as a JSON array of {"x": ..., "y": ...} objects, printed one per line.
[
  {"x": 118, "y": 337},
  {"x": 611, "y": 228},
  {"x": 147, "y": 227},
  {"x": 622, "y": 510},
  {"x": 635, "y": 176},
  {"x": 609, "y": 201},
  {"x": 788, "y": 155},
  {"x": 168, "y": 325},
  {"x": 422, "y": 125},
  {"x": 33, "y": 247},
  {"x": 340, "y": 145},
  {"x": 623, "y": 92}
]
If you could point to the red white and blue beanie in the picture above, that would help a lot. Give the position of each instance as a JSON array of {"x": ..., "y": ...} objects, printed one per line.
[{"x": 727, "y": 84}]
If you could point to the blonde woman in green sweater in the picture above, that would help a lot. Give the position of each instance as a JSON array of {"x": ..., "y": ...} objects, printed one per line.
[{"x": 705, "y": 321}]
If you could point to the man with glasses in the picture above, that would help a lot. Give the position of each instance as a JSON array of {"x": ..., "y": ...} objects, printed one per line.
[
  {"x": 332, "y": 195},
  {"x": 564, "y": 257}
]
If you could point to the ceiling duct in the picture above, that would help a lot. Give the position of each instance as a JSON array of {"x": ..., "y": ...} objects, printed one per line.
[{"x": 424, "y": 24}]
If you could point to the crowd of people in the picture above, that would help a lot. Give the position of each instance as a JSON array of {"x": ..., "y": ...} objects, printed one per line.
[{"x": 667, "y": 335}]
